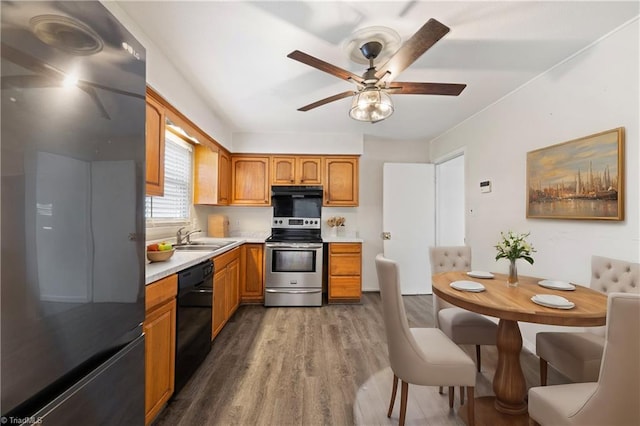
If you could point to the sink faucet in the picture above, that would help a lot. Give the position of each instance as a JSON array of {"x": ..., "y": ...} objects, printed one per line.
[
  {"x": 187, "y": 236},
  {"x": 179, "y": 236}
]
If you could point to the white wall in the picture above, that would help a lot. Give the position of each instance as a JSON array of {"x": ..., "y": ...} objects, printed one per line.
[
  {"x": 593, "y": 91},
  {"x": 163, "y": 77},
  {"x": 298, "y": 143}
]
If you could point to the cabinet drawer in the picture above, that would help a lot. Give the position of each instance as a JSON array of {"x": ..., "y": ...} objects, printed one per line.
[
  {"x": 160, "y": 291},
  {"x": 345, "y": 287},
  {"x": 345, "y": 264},
  {"x": 336, "y": 248},
  {"x": 224, "y": 259}
]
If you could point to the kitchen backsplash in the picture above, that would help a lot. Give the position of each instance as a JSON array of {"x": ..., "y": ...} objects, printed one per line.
[{"x": 257, "y": 220}]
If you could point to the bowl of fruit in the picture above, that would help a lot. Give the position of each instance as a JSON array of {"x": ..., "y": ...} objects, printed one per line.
[{"x": 160, "y": 252}]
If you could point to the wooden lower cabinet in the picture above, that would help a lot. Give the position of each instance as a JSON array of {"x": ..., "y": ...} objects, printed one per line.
[
  {"x": 233, "y": 286},
  {"x": 219, "y": 301},
  {"x": 252, "y": 273},
  {"x": 226, "y": 289},
  {"x": 345, "y": 272},
  {"x": 160, "y": 344}
]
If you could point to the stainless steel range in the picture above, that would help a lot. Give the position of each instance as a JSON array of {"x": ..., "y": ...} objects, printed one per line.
[{"x": 294, "y": 249}]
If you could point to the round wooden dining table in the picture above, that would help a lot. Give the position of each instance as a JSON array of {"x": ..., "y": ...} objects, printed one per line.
[{"x": 510, "y": 305}]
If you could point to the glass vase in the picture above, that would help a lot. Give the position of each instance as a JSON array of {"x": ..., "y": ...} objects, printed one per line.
[{"x": 512, "y": 280}]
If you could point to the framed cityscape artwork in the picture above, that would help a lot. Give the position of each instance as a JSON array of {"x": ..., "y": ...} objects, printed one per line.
[{"x": 578, "y": 179}]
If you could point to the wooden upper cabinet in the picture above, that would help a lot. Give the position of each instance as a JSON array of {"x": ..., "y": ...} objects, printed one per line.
[
  {"x": 205, "y": 175},
  {"x": 155, "y": 127},
  {"x": 283, "y": 170},
  {"x": 211, "y": 174},
  {"x": 309, "y": 170},
  {"x": 296, "y": 170},
  {"x": 250, "y": 180},
  {"x": 224, "y": 178},
  {"x": 341, "y": 181}
]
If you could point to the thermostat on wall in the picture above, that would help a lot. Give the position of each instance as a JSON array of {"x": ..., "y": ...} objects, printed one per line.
[{"x": 485, "y": 186}]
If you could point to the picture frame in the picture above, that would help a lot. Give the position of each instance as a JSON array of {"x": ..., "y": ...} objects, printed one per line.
[{"x": 579, "y": 179}]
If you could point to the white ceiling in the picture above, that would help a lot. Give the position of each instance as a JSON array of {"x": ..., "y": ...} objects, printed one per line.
[{"x": 234, "y": 54}]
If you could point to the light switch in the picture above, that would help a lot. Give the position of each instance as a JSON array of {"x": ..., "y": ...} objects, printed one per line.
[{"x": 485, "y": 186}]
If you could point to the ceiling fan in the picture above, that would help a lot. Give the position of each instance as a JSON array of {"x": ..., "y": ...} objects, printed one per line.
[{"x": 371, "y": 102}]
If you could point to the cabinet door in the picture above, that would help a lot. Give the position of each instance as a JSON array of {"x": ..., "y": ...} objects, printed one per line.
[
  {"x": 155, "y": 126},
  {"x": 283, "y": 170},
  {"x": 233, "y": 286},
  {"x": 345, "y": 272},
  {"x": 219, "y": 301},
  {"x": 252, "y": 273},
  {"x": 205, "y": 175},
  {"x": 250, "y": 181},
  {"x": 341, "y": 181},
  {"x": 309, "y": 170},
  {"x": 160, "y": 345},
  {"x": 224, "y": 178}
]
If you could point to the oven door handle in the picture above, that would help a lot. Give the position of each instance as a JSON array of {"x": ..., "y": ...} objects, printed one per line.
[
  {"x": 293, "y": 291},
  {"x": 293, "y": 246}
]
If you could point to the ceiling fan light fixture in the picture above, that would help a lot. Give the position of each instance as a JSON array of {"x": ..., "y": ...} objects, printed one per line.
[{"x": 371, "y": 105}]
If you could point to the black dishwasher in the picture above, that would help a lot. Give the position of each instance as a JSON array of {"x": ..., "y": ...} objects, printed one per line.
[{"x": 193, "y": 320}]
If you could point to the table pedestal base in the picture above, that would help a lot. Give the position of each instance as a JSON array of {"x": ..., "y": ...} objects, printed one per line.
[
  {"x": 487, "y": 415},
  {"x": 509, "y": 384}
]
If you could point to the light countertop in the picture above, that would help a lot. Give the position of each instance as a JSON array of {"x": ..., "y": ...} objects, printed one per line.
[{"x": 183, "y": 259}]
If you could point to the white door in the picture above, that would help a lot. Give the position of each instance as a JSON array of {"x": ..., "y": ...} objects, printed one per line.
[
  {"x": 450, "y": 226},
  {"x": 408, "y": 215}
]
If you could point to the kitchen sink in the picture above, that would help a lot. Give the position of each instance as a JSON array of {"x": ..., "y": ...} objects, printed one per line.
[{"x": 203, "y": 246}]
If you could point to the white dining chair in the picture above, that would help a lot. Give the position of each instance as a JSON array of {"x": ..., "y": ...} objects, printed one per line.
[
  {"x": 614, "y": 398},
  {"x": 421, "y": 356},
  {"x": 578, "y": 355},
  {"x": 460, "y": 325}
]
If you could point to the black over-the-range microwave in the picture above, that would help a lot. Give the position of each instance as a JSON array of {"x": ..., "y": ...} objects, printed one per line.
[{"x": 296, "y": 201}]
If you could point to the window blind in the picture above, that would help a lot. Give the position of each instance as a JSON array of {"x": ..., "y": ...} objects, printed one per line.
[{"x": 175, "y": 205}]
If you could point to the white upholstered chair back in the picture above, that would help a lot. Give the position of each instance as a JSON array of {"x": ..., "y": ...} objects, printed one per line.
[
  {"x": 445, "y": 259},
  {"x": 613, "y": 276},
  {"x": 613, "y": 400},
  {"x": 404, "y": 352},
  {"x": 619, "y": 381}
]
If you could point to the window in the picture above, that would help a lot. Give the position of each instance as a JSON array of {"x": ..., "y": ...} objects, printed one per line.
[{"x": 175, "y": 206}]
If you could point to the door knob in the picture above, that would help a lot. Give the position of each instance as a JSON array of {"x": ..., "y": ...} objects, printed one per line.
[{"x": 386, "y": 235}]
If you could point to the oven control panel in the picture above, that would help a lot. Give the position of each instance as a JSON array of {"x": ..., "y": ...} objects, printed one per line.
[{"x": 296, "y": 223}]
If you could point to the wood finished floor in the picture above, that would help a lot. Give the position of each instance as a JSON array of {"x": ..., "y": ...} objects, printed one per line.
[{"x": 316, "y": 366}]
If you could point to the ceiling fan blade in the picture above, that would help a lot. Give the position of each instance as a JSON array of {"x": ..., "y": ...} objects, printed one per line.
[
  {"x": 324, "y": 66},
  {"x": 327, "y": 100},
  {"x": 448, "y": 89},
  {"x": 413, "y": 48}
]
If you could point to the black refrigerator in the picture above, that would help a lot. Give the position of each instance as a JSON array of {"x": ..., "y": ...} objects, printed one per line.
[{"x": 72, "y": 217}]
